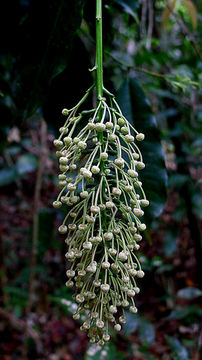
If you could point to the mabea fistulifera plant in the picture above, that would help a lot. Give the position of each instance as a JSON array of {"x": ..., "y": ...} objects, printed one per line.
[{"x": 99, "y": 162}]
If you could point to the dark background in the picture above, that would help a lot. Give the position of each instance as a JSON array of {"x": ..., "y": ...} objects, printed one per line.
[{"x": 153, "y": 63}]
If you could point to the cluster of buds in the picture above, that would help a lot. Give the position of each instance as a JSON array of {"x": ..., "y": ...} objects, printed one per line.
[{"x": 99, "y": 162}]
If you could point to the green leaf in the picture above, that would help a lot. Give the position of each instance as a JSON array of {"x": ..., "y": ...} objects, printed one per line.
[
  {"x": 26, "y": 163},
  {"x": 8, "y": 175},
  {"x": 130, "y": 8},
  {"x": 185, "y": 312},
  {"x": 170, "y": 242},
  {"x": 146, "y": 331},
  {"x": 189, "y": 293},
  {"x": 131, "y": 324},
  {"x": 178, "y": 350},
  {"x": 137, "y": 110},
  {"x": 106, "y": 352}
]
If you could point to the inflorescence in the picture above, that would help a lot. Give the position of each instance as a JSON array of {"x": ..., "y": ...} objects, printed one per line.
[{"x": 99, "y": 162}]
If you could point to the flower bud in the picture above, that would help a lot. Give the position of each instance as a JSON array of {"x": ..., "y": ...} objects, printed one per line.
[
  {"x": 62, "y": 229},
  {"x": 57, "y": 204},
  {"x": 105, "y": 287},
  {"x": 140, "y": 137},
  {"x": 133, "y": 309},
  {"x": 140, "y": 273},
  {"x": 144, "y": 202},
  {"x": 124, "y": 130},
  {"x": 109, "y": 125},
  {"x": 117, "y": 327},
  {"x": 108, "y": 236},
  {"x": 132, "y": 173},
  {"x": 119, "y": 162},
  {"x": 67, "y": 140},
  {"x": 57, "y": 143},
  {"x": 103, "y": 156},
  {"x": 116, "y": 192},
  {"x": 95, "y": 169},
  {"x": 100, "y": 127}
]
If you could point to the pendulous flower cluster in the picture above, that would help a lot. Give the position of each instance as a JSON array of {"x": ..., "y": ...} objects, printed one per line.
[{"x": 99, "y": 162}]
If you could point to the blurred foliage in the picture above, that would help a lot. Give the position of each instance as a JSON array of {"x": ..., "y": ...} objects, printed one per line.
[{"x": 154, "y": 66}]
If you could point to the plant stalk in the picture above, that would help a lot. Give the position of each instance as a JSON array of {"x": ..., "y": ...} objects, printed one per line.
[{"x": 99, "y": 50}]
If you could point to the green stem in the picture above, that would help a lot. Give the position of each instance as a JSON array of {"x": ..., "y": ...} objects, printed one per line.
[{"x": 99, "y": 50}]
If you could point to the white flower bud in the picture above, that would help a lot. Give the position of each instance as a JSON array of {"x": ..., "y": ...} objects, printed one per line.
[
  {"x": 95, "y": 209},
  {"x": 121, "y": 121},
  {"x": 111, "y": 137},
  {"x": 137, "y": 290},
  {"x": 72, "y": 167},
  {"x": 109, "y": 125},
  {"x": 106, "y": 337},
  {"x": 96, "y": 283},
  {"x": 140, "y": 137},
  {"x": 133, "y": 272},
  {"x": 123, "y": 256},
  {"x": 141, "y": 227},
  {"x": 122, "y": 319},
  {"x": 105, "y": 287},
  {"x": 76, "y": 316},
  {"x": 95, "y": 169},
  {"x": 138, "y": 212},
  {"x": 119, "y": 162},
  {"x": 135, "y": 156},
  {"x": 132, "y": 173},
  {"x": 124, "y": 130},
  {"x": 113, "y": 309},
  {"x": 131, "y": 293},
  {"x": 82, "y": 145},
  {"x": 91, "y": 269},
  {"x": 72, "y": 226},
  {"x": 108, "y": 236},
  {"x": 86, "y": 173},
  {"x": 112, "y": 251},
  {"x": 140, "y": 165},
  {"x": 69, "y": 254},
  {"x": 90, "y": 219},
  {"x": 71, "y": 187},
  {"x": 63, "y": 160},
  {"x": 70, "y": 273},
  {"x": 144, "y": 202},
  {"x": 100, "y": 127},
  {"x": 80, "y": 298},
  {"x": 105, "y": 265},
  {"x": 57, "y": 143},
  {"x": 67, "y": 140},
  {"x": 62, "y": 229},
  {"x": 103, "y": 156},
  {"x": 117, "y": 327},
  {"x": 137, "y": 237},
  {"x": 82, "y": 227},
  {"x": 57, "y": 204},
  {"x": 116, "y": 191},
  {"x": 84, "y": 194},
  {"x": 128, "y": 188},
  {"x": 129, "y": 138},
  {"x": 91, "y": 126},
  {"x": 133, "y": 309},
  {"x": 109, "y": 204},
  {"x": 102, "y": 207},
  {"x": 116, "y": 230},
  {"x": 125, "y": 303},
  {"x": 140, "y": 273},
  {"x": 76, "y": 140},
  {"x": 69, "y": 284},
  {"x": 87, "y": 245}
]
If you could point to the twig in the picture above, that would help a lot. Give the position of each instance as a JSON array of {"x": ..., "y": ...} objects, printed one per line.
[
  {"x": 185, "y": 30},
  {"x": 151, "y": 23},
  {"x": 143, "y": 18},
  {"x": 43, "y": 137},
  {"x": 20, "y": 324}
]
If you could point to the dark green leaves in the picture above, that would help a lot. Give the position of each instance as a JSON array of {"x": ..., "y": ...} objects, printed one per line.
[
  {"x": 178, "y": 350},
  {"x": 25, "y": 164},
  {"x": 136, "y": 108}
]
